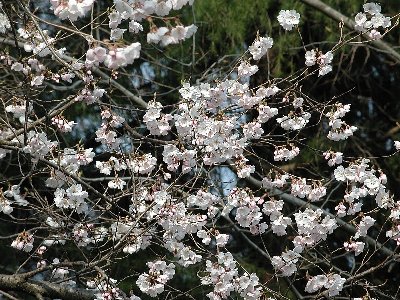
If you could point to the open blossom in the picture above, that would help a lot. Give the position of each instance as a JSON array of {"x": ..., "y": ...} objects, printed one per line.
[
  {"x": 245, "y": 69},
  {"x": 156, "y": 122},
  {"x": 286, "y": 263},
  {"x": 311, "y": 58},
  {"x": 288, "y": 19},
  {"x": 38, "y": 145},
  {"x": 265, "y": 113},
  {"x": 116, "y": 183},
  {"x": 397, "y": 145},
  {"x": 260, "y": 47},
  {"x": 364, "y": 225},
  {"x": 62, "y": 124},
  {"x": 357, "y": 247},
  {"x": 4, "y": 23},
  {"x": 20, "y": 109},
  {"x": 74, "y": 198},
  {"x": 135, "y": 27},
  {"x": 283, "y": 153},
  {"x": 371, "y": 20},
  {"x": 159, "y": 274},
  {"x": 294, "y": 121},
  {"x": 121, "y": 57},
  {"x": 24, "y": 242},
  {"x": 5, "y": 204},
  {"x": 332, "y": 282},
  {"x": 165, "y": 36},
  {"x": 323, "y": 60},
  {"x": 334, "y": 158},
  {"x": 96, "y": 55},
  {"x": 340, "y": 130},
  {"x": 71, "y": 9}
]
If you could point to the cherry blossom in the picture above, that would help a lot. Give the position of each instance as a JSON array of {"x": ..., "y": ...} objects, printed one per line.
[{"x": 288, "y": 19}]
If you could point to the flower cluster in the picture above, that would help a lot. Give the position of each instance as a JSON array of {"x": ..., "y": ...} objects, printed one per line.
[
  {"x": 62, "y": 124},
  {"x": 156, "y": 122},
  {"x": 339, "y": 129},
  {"x": 312, "y": 228},
  {"x": 362, "y": 181},
  {"x": 73, "y": 198},
  {"x": 137, "y": 237},
  {"x": 166, "y": 36},
  {"x": 4, "y": 23},
  {"x": 332, "y": 282},
  {"x": 24, "y": 242},
  {"x": 371, "y": 20},
  {"x": 357, "y": 247},
  {"x": 225, "y": 278},
  {"x": 323, "y": 60},
  {"x": 38, "y": 145},
  {"x": 333, "y": 158},
  {"x": 159, "y": 274},
  {"x": 71, "y": 9},
  {"x": 85, "y": 234},
  {"x": 172, "y": 157},
  {"x": 283, "y": 153},
  {"x": 260, "y": 47}
]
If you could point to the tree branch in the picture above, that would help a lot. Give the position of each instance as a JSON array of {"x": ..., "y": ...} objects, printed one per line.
[
  {"x": 41, "y": 289},
  {"x": 349, "y": 23}
]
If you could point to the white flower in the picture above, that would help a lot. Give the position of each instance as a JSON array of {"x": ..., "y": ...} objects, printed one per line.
[
  {"x": 135, "y": 27},
  {"x": 324, "y": 61},
  {"x": 283, "y": 153},
  {"x": 357, "y": 247},
  {"x": 315, "y": 283},
  {"x": 5, "y": 205},
  {"x": 62, "y": 124},
  {"x": 221, "y": 239},
  {"x": 37, "y": 80},
  {"x": 363, "y": 227},
  {"x": 334, "y": 158},
  {"x": 294, "y": 121},
  {"x": 246, "y": 70},
  {"x": 311, "y": 57},
  {"x": 4, "y": 23},
  {"x": 159, "y": 274},
  {"x": 360, "y": 20},
  {"x": 333, "y": 282},
  {"x": 288, "y": 19},
  {"x": 24, "y": 242},
  {"x": 286, "y": 263},
  {"x": 121, "y": 57},
  {"x": 397, "y": 145},
  {"x": 72, "y": 9},
  {"x": 372, "y": 8},
  {"x": 265, "y": 113},
  {"x": 116, "y": 184},
  {"x": 260, "y": 47},
  {"x": 38, "y": 145}
]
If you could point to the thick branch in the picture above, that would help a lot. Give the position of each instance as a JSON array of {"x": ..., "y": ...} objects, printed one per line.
[{"x": 19, "y": 283}]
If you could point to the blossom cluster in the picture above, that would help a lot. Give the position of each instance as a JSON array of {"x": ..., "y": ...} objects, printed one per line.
[
  {"x": 371, "y": 20},
  {"x": 152, "y": 183},
  {"x": 159, "y": 274},
  {"x": 224, "y": 276},
  {"x": 332, "y": 282}
]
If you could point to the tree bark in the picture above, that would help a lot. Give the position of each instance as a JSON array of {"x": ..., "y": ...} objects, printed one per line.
[{"x": 41, "y": 289}]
